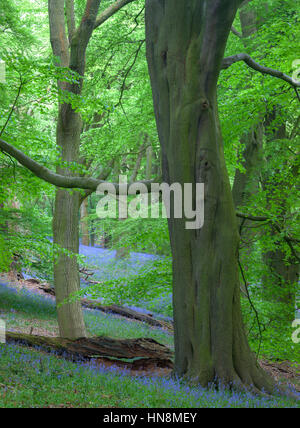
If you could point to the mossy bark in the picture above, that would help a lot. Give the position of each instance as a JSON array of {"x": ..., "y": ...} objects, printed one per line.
[
  {"x": 66, "y": 230},
  {"x": 143, "y": 353},
  {"x": 72, "y": 55},
  {"x": 282, "y": 276},
  {"x": 85, "y": 233},
  {"x": 185, "y": 48}
]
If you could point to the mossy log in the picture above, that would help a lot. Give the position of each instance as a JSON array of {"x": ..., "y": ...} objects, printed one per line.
[
  {"x": 118, "y": 310},
  {"x": 133, "y": 354},
  {"x": 128, "y": 313}
]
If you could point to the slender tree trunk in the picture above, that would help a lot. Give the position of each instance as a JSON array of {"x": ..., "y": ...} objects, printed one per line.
[
  {"x": 185, "y": 48},
  {"x": 85, "y": 234},
  {"x": 72, "y": 55},
  {"x": 245, "y": 183},
  {"x": 281, "y": 282},
  {"x": 66, "y": 230},
  {"x": 283, "y": 273},
  {"x": 149, "y": 167},
  {"x": 92, "y": 236},
  {"x": 253, "y": 140}
]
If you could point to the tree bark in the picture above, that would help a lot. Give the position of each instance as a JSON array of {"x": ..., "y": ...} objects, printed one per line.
[
  {"x": 283, "y": 273},
  {"x": 185, "y": 48},
  {"x": 245, "y": 182},
  {"x": 85, "y": 234},
  {"x": 144, "y": 353},
  {"x": 114, "y": 309},
  {"x": 67, "y": 203}
]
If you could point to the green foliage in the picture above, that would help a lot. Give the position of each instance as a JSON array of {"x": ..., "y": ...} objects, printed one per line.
[
  {"x": 277, "y": 332},
  {"x": 139, "y": 235},
  {"x": 151, "y": 287},
  {"x": 117, "y": 112},
  {"x": 5, "y": 255}
]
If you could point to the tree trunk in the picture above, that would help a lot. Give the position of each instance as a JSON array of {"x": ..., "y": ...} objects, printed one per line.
[
  {"x": 281, "y": 282},
  {"x": 246, "y": 184},
  {"x": 283, "y": 272},
  {"x": 113, "y": 309},
  {"x": 66, "y": 230},
  {"x": 72, "y": 55},
  {"x": 185, "y": 48},
  {"x": 284, "y": 275},
  {"x": 85, "y": 235}
]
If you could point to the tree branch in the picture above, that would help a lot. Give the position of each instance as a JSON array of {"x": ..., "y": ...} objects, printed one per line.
[
  {"x": 128, "y": 71},
  {"x": 13, "y": 106},
  {"x": 70, "y": 14},
  {"x": 82, "y": 36},
  {"x": 252, "y": 217},
  {"x": 289, "y": 240},
  {"x": 58, "y": 180},
  {"x": 103, "y": 175},
  {"x": 236, "y": 32},
  {"x": 110, "y": 11},
  {"x": 139, "y": 160},
  {"x": 230, "y": 60}
]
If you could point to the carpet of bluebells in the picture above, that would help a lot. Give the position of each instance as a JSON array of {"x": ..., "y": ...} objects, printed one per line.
[
  {"x": 30, "y": 378},
  {"x": 29, "y": 304},
  {"x": 33, "y": 378},
  {"x": 105, "y": 266}
]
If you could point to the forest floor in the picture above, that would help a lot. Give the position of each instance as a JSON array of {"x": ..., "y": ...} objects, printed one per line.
[{"x": 27, "y": 309}]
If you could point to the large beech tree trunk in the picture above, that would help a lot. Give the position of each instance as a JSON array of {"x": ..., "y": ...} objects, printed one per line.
[{"x": 185, "y": 47}]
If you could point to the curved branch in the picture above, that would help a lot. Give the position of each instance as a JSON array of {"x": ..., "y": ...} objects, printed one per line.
[
  {"x": 236, "y": 32},
  {"x": 289, "y": 240},
  {"x": 230, "y": 60},
  {"x": 40, "y": 171},
  {"x": 110, "y": 11},
  {"x": 128, "y": 72},
  {"x": 13, "y": 106},
  {"x": 252, "y": 217}
]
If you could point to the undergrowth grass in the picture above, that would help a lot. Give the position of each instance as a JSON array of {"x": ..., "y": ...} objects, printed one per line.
[
  {"x": 29, "y": 378},
  {"x": 32, "y": 378}
]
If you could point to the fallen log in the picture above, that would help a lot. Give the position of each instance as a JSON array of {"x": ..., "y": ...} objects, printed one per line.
[
  {"x": 46, "y": 288},
  {"x": 133, "y": 354},
  {"x": 128, "y": 313},
  {"x": 117, "y": 310}
]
